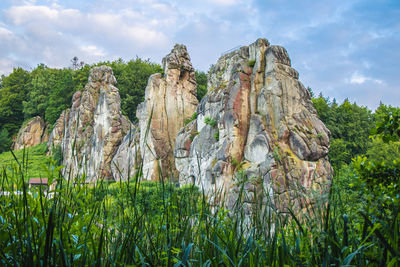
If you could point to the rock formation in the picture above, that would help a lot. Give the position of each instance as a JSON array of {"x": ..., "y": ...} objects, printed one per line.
[
  {"x": 34, "y": 132},
  {"x": 59, "y": 130},
  {"x": 127, "y": 159},
  {"x": 256, "y": 127},
  {"x": 169, "y": 101},
  {"x": 93, "y": 128}
]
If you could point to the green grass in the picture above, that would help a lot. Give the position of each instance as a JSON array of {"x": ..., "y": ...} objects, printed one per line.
[
  {"x": 36, "y": 157},
  {"x": 141, "y": 223}
]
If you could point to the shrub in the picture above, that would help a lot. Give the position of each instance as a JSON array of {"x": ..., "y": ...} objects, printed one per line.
[
  {"x": 209, "y": 121},
  {"x": 251, "y": 63},
  {"x": 192, "y": 118}
]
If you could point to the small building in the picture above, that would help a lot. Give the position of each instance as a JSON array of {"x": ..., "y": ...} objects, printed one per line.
[
  {"x": 38, "y": 182},
  {"x": 42, "y": 182}
]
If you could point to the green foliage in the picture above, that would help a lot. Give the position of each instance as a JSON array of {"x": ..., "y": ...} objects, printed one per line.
[
  {"x": 14, "y": 90},
  {"x": 193, "y": 135},
  {"x": 210, "y": 121},
  {"x": 201, "y": 80},
  {"x": 251, "y": 63},
  {"x": 35, "y": 158},
  {"x": 388, "y": 123},
  {"x": 5, "y": 140},
  {"x": 157, "y": 224},
  {"x": 132, "y": 78},
  {"x": 350, "y": 126},
  {"x": 50, "y": 92},
  {"x": 46, "y": 92},
  {"x": 383, "y": 152},
  {"x": 192, "y": 118},
  {"x": 339, "y": 154},
  {"x": 216, "y": 135}
]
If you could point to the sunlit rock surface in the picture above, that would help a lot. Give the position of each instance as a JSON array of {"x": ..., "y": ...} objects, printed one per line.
[
  {"x": 93, "y": 129},
  {"x": 34, "y": 132},
  {"x": 256, "y": 128},
  {"x": 170, "y": 99}
]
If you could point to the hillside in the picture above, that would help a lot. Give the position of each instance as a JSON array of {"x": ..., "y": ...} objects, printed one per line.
[{"x": 33, "y": 161}]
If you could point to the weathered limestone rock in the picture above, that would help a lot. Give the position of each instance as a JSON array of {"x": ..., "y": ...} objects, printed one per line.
[
  {"x": 34, "y": 132},
  {"x": 256, "y": 127},
  {"x": 59, "y": 130},
  {"x": 94, "y": 127},
  {"x": 169, "y": 101},
  {"x": 127, "y": 158}
]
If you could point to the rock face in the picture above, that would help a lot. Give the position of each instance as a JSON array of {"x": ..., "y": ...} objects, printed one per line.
[
  {"x": 169, "y": 101},
  {"x": 93, "y": 128},
  {"x": 59, "y": 130},
  {"x": 256, "y": 127},
  {"x": 32, "y": 133},
  {"x": 127, "y": 159}
]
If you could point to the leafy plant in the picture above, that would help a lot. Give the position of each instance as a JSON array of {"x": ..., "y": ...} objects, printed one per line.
[
  {"x": 192, "y": 118},
  {"x": 209, "y": 121},
  {"x": 251, "y": 63},
  {"x": 216, "y": 135}
]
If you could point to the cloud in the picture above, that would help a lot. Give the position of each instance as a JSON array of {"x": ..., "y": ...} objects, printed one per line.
[
  {"x": 54, "y": 34},
  {"x": 93, "y": 50},
  {"x": 357, "y": 78},
  {"x": 341, "y": 48},
  {"x": 5, "y": 65}
]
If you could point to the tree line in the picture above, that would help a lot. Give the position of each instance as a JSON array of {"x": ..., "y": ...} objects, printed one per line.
[{"x": 46, "y": 92}]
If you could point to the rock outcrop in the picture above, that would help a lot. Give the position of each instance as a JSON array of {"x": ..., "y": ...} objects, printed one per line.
[
  {"x": 59, "y": 130},
  {"x": 93, "y": 128},
  {"x": 170, "y": 100},
  {"x": 127, "y": 159},
  {"x": 34, "y": 132},
  {"x": 256, "y": 128}
]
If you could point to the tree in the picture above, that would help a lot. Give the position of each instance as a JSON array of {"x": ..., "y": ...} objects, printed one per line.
[
  {"x": 5, "y": 140},
  {"x": 201, "y": 80},
  {"x": 13, "y": 92},
  {"x": 350, "y": 126},
  {"x": 132, "y": 78},
  {"x": 76, "y": 64}
]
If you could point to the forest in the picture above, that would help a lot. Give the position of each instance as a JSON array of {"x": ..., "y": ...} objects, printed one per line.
[{"x": 146, "y": 223}]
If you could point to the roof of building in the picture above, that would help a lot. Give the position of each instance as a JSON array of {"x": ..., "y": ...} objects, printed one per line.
[{"x": 38, "y": 181}]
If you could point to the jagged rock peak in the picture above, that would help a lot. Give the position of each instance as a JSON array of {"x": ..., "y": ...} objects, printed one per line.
[
  {"x": 32, "y": 133},
  {"x": 178, "y": 58},
  {"x": 256, "y": 118},
  {"x": 93, "y": 128},
  {"x": 168, "y": 102},
  {"x": 102, "y": 74}
]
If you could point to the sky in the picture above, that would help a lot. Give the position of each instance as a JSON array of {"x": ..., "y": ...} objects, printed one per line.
[{"x": 341, "y": 48}]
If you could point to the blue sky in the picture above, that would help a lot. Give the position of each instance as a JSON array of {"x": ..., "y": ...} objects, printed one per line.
[{"x": 342, "y": 48}]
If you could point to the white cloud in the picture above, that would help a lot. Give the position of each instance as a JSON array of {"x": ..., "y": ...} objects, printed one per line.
[
  {"x": 23, "y": 14},
  {"x": 6, "y": 34},
  {"x": 225, "y": 2},
  {"x": 357, "y": 78},
  {"x": 93, "y": 50},
  {"x": 5, "y": 66}
]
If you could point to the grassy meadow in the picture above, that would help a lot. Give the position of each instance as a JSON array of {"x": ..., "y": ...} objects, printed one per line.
[
  {"x": 141, "y": 223},
  {"x": 37, "y": 162}
]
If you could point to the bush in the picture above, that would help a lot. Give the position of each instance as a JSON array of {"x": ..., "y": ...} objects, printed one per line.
[
  {"x": 5, "y": 140},
  {"x": 211, "y": 122}
]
